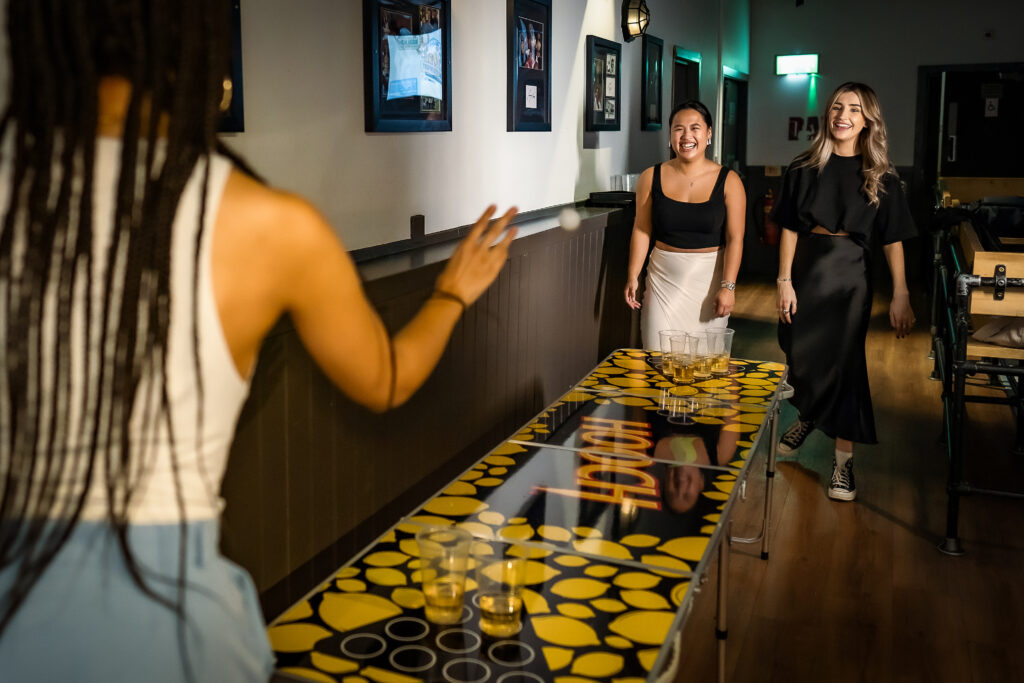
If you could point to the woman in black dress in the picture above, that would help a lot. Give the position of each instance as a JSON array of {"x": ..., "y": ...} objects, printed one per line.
[{"x": 835, "y": 197}]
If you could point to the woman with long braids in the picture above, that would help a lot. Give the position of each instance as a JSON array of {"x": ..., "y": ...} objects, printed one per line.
[
  {"x": 140, "y": 269},
  {"x": 836, "y": 197}
]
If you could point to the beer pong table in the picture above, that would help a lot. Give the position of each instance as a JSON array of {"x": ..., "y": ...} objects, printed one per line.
[{"x": 617, "y": 498}]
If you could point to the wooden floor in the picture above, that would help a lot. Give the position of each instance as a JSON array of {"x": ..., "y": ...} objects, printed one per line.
[{"x": 857, "y": 591}]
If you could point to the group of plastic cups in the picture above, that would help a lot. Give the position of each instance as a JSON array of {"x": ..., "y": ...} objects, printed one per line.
[
  {"x": 687, "y": 357},
  {"x": 695, "y": 356},
  {"x": 447, "y": 555}
]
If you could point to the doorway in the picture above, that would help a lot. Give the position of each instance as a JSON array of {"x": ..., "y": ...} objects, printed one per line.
[
  {"x": 968, "y": 117},
  {"x": 685, "y": 76},
  {"x": 734, "y": 121}
]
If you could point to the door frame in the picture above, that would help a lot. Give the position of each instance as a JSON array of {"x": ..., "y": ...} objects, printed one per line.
[
  {"x": 736, "y": 75},
  {"x": 680, "y": 55},
  {"x": 925, "y": 169}
]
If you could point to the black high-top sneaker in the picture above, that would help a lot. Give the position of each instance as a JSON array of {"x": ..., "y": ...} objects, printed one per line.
[
  {"x": 795, "y": 436},
  {"x": 843, "y": 486}
]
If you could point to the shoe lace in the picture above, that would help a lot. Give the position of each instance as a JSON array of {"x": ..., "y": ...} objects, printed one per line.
[
  {"x": 842, "y": 477},
  {"x": 799, "y": 431}
]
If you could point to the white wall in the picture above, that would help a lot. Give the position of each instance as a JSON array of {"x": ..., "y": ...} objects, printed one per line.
[
  {"x": 879, "y": 42},
  {"x": 303, "y": 89}
]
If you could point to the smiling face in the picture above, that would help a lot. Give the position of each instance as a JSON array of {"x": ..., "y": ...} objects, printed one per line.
[
  {"x": 846, "y": 121},
  {"x": 689, "y": 134}
]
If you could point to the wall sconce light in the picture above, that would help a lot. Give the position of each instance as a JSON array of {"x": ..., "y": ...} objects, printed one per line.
[
  {"x": 635, "y": 17},
  {"x": 796, "y": 64}
]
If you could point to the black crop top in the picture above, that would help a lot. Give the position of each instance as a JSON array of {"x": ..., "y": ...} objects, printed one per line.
[
  {"x": 833, "y": 199},
  {"x": 689, "y": 225}
]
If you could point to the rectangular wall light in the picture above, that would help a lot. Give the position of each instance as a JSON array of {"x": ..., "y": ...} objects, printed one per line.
[{"x": 796, "y": 64}]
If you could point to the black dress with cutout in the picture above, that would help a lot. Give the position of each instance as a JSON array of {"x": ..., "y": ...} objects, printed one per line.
[{"x": 824, "y": 344}]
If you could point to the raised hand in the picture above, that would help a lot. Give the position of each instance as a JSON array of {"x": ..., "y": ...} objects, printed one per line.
[{"x": 479, "y": 257}]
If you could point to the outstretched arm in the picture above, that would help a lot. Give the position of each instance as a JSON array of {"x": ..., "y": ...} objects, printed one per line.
[{"x": 286, "y": 258}]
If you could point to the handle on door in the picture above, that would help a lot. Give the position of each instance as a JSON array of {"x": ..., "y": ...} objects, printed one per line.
[{"x": 951, "y": 140}]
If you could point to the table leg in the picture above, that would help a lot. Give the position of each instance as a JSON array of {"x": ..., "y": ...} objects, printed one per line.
[
  {"x": 769, "y": 481},
  {"x": 721, "y": 625},
  {"x": 769, "y": 476}
]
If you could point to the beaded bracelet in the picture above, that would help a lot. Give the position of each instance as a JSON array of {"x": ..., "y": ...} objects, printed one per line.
[{"x": 780, "y": 280}]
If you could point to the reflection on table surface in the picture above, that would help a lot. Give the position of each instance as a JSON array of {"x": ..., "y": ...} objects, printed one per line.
[{"x": 612, "y": 493}]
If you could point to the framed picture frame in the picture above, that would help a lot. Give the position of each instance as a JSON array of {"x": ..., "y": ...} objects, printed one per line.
[
  {"x": 604, "y": 84},
  {"x": 233, "y": 118},
  {"x": 651, "y": 84},
  {"x": 407, "y": 62},
  {"x": 528, "y": 26}
]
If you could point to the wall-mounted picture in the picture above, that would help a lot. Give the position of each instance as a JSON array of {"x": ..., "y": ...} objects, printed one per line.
[
  {"x": 650, "y": 79},
  {"x": 604, "y": 85},
  {"x": 407, "y": 64},
  {"x": 528, "y": 25}
]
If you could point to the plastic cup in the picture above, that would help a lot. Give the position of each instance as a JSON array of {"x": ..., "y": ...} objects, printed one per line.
[
  {"x": 444, "y": 554},
  {"x": 682, "y": 358},
  {"x": 701, "y": 355},
  {"x": 665, "y": 339},
  {"x": 720, "y": 350},
  {"x": 500, "y": 576}
]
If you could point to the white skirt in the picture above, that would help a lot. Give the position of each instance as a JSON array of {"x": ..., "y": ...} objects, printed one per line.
[{"x": 680, "y": 294}]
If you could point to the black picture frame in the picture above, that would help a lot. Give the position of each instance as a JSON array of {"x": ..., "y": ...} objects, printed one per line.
[
  {"x": 399, "y": 105},
  {"x": 528, "y": 27},
  {"x": 604, "y": 84},
  {"x": 233, "y": 118},
  {"x": 651, "y": 83}
]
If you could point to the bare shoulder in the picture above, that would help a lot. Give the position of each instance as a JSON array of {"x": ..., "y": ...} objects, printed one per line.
[
  {"x": 255, "y": 216},
  {"x": 733, "y": 182},
  {"x": 645, "y": 181}
]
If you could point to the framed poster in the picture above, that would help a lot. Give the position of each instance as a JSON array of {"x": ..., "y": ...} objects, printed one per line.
[
  {"x": 604, "y": 85},
  {"x": 650, "y": 79},
  {"x": 407, "y": 61},
  {"x": 528, "y": 27}
]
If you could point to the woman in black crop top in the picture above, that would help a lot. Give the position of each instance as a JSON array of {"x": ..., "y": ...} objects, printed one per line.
[
  {"x": 694, "y": 210},
  {"x": 835, "y": 198}
]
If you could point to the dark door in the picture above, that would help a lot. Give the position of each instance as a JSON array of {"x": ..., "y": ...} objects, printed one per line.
[
  {"x": 685, "y": 77},
  {"x": 734, "y": 125},
  {"x": 982, "y": 135}
]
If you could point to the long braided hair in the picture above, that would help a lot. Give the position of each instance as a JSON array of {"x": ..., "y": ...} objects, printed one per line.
[{"x": 55, "y": 431}]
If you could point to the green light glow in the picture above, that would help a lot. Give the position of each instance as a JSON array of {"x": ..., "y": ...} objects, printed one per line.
[
  {"x": 796, "y": 64},
  {"x": 812, "y": 95}
]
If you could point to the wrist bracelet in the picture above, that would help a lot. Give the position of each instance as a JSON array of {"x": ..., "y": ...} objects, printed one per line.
[
  {"x": 780, "y": 280},
  {"x": 729, "y": 284},
  {"x": 441, "y": 294}
]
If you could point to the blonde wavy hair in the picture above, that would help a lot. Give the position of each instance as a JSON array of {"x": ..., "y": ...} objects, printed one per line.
[{"x": 873, "y": 144}]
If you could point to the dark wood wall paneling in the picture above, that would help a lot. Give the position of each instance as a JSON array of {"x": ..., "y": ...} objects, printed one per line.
[{"x": 313, "y": 477}]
